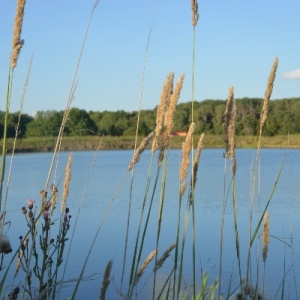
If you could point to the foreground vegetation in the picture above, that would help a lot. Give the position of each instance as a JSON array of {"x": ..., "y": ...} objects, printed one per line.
[{"x": 36, "y": 269}]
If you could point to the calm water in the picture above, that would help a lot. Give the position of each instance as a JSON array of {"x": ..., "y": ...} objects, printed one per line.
[{"x": 95, "y": 179}]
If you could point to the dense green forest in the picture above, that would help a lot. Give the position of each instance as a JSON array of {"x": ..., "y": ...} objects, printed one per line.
[{"x": 284, "y": 118}]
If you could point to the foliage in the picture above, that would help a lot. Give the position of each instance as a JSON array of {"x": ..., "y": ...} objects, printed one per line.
[{"x": 283, "y": 119}]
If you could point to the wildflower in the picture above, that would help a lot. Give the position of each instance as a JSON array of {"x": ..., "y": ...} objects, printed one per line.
[
  {"x": 24, "y": 210},
  {"x": 30, "y": 203},
  {"x": 46, "y": 215},
  {"x": 30, "y": 215}
]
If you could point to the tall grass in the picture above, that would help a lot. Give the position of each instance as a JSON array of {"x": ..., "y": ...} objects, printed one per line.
[{"x": 43, "y": 260}]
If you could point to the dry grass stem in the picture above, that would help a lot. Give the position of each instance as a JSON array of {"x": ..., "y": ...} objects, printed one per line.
[
  {"x": 161, "y": 109},
  {"x": 268, "y": 93},
  {"x": 186, "y": 149},
  {"x": 53, "y": 197},
  {"x": 195, "y": 16},
  {"x": 21, "y": 253},
  {"x": 200, "y": 146},
  {"x": 265, "y": 236},
  {"x": 106, "y": 280},
  {"x": 144, "y": 265},
  {"x": 164, "y": 257},
  {"x": 17, "y": 43},
  {"x": 66, "y": 183},
  {"x": 140, "y": 149}
]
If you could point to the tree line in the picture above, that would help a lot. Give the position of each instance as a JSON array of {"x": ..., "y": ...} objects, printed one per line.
[{"x": 283, "y": 118}]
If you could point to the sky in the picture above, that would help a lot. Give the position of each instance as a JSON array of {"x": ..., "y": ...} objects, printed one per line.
[{"x": 236, "y": 42}]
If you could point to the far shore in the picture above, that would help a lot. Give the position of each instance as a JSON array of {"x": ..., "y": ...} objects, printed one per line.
[{"x": 47, "y": 144}]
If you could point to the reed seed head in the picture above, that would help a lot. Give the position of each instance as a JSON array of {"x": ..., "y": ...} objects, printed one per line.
[
  {"x": 161, "y": 109},
  {"x": 17, "y": 43},
  {"x": 161, "y": 260},
  {"x": 186, "y": 149},
  {"x": 265, "y": 236},
  {"x": 200, "y": 146},
  {"x": 106, "y": 280},
  {"x": 66, "y": 183},
  {"x": 140, "y": 149},
  {"x": 169, "y": 117},
  {"x": 229, "y": 125},
  {"x": 144, "y": 265},
  {"x": 195, "y": 16},
  {"x": 268, "y": 93}
]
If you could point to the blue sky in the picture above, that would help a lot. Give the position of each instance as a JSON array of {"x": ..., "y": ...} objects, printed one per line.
[{"x": 236, "y": 44}]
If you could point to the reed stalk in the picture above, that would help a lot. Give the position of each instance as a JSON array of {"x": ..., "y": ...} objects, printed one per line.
[
  {"x": 229, "y": 137},
  {"x": 135, "y": 151},
  {"x": 256, "y": 172},
  {"x": 17, "y": 44},
  {"x": 195, "y": 17}
]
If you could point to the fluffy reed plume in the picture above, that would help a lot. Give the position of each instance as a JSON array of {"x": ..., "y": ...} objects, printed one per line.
[
  {"x": 140, "y": 149},
  {"x": 229, "y": 129},
  {"x": 268, "y": 93},
  {"x": 21, "y": 253},
  {"x": 66, "y": 183},
  {"x": 106, "y": 280},
  {"x": 265, "y": 236},
  {"x": 161, "y": 109},
  {"x": 143, "y": 266},
  {"x": 186, "y": 149},
  {"x": 17, "y": 43},
  {"x": 195, "y": 16},
  {"x": 169, "y": 116},
  {"x": 161, "y": 260},
  {"x": 197, "y": 158}
]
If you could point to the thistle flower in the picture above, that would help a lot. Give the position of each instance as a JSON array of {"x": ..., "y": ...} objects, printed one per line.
[{"x": 30, "y": 203}]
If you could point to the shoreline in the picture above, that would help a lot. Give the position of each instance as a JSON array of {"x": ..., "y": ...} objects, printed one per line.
[{"x": 47, "y": 144}]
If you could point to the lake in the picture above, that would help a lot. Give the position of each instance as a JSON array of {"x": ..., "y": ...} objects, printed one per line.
[{"x": 94, "y": 180}]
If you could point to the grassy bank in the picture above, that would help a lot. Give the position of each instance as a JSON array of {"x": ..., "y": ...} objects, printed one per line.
[{"x": 44, "y": 144}]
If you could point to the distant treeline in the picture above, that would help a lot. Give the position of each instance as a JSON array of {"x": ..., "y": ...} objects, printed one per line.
[{"x": 284, "y": 117}]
